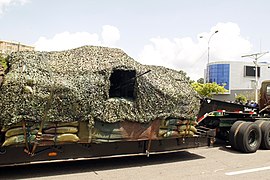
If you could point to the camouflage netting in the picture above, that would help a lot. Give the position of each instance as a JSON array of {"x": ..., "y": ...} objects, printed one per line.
[{"x": 74, "y": 85}]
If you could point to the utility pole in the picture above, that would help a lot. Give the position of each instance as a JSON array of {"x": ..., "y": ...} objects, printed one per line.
[{"x": 256, "y": 56}]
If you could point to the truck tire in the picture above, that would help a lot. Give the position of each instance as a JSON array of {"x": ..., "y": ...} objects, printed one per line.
[
  {"x": 265, "y": 128},
  {"x": 259, "y": 122},
  {"x": 249, "y": 137},
  {"x": 233, "y": 134}
]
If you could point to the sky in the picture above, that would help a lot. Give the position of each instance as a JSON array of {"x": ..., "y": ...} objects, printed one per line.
[{"x": 172, "y": 33}]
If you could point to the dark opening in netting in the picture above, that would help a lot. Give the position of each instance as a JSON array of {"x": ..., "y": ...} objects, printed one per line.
[{"x": 122, "y": 84}]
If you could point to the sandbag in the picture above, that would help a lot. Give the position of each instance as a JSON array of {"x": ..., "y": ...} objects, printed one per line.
[
  {"x": 19, "y": 139},
  {"x": 61, "y": 130},
  {"x": 186, "y": 133},
  {"x": 169, "y": 127},
  {"x": 67, "y": 138},
  {"x": 187, "y": 128},
  {"x": 104, "y": 135},
  {"x": 47, "y": 137},
  {"x": 172, "y": 122},
  {"x": 170, "y": 134},
  {"x": 161, "y": 132},
  {"x": 34, "y": 125},
  {"x": 20, "y": 131}
]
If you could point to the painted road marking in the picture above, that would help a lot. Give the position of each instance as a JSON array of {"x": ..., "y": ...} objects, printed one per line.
[{"x": 247, "y": 171}]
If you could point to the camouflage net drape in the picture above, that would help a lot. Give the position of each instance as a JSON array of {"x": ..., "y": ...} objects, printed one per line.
[{"x": 78, "y": 82}]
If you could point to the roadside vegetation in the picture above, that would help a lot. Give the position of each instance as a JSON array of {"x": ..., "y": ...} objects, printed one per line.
[{"x": 208, "y": 89}]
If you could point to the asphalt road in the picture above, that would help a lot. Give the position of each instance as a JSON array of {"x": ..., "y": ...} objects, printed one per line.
[{"x": 200, "y": 163}]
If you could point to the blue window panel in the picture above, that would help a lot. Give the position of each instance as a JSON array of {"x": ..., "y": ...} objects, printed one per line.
[{"x": 220, "y": 73}]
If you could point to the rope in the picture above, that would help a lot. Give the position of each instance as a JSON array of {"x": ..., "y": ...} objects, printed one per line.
[
  {"x": 25, "y": 137},
  {"x": 45, "y": 114}
]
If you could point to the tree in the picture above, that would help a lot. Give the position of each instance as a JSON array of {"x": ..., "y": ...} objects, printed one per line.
[
  {"x": 208, "y": 89},
  {"x": 201, "y": 80},
  {"x": 240, "y": 98},
  {"x": 3, "y": 62},
  {"x": 187, "y": 77}
]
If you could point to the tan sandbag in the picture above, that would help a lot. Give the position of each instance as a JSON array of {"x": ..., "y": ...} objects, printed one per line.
[
  {"x": 47, "y": 137},
  {"x": 37, "y": 125},
  {"x": 61, "y": 124},
  {"x": 61, "y": 130},
  {"x": 187, "y": 133},
  {"x": 161, "y": 132},
  {"x": 170, "y": 134},
  {"x": 17, "y": 140},
  {"x": 190, "y": 122},
  {"x": 19, "y": 131},
  {"x": 106, "y": 140},
  {"x": 67, "y": 138},
  {"x": 187, "y": 128},
  {"x": 16, "y": 125}
]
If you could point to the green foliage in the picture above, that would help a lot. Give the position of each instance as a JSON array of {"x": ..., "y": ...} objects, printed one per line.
[
  {"x": 208, "y": 89},
  {"x": 201, "y": 80},
  {"x": 241, "y": 98},
  {"x": 3, "y": 62},
  {"x": 187, "y": 77}
]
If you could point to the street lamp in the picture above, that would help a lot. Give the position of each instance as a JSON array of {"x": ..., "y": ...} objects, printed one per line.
[{"x": 208, "y": 52}]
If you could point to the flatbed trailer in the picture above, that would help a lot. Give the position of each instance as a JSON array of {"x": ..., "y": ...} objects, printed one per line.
[{"x": 17, "y": 155}]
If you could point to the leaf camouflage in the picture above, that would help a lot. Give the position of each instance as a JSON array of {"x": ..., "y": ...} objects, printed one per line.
[{"x": 78, "y": 82}]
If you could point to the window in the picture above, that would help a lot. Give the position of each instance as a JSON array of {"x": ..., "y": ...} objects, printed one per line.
[
  {"x": 250, "y": 71},
  {"x": 122, "y": 84},
  {"x": 220, "y": 73},
  {"x": 268, "y": 90}
]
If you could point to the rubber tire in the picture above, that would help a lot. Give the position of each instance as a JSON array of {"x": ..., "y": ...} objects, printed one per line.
[
  {"x": 260, "y": 122},
  {"x": 233, "y": 134},
  {"x": 247, "y": 130},
  {"x": 265, "y": 128}
]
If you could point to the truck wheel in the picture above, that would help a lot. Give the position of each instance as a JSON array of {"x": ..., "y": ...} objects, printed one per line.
[
  {"x": 249, "y": 137},
  {"x": 233, "y": 134},
  {"x": 265, "y": 128},
  {"x": 259, "y": 122}
]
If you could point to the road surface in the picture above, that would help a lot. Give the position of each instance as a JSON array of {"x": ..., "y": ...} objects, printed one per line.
[{"x": 201, "y": 163}]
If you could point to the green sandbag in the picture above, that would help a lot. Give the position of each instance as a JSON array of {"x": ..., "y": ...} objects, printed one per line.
[
  {"x": 107, "y": 127},
  {"x": 169, "y": 127},
  {"x": 67, "y": 138},
  {"x": 61, "y": 130},
  {"x": 173, "y": 122},
  {"x": 19, "y": 131},
  {"x": 103, "y": 135},
  {"x": 18, "y": 140}
]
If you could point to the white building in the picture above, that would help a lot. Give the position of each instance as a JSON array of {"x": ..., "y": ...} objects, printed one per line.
[
  {"x": 239, "y": 77},
  {"x": 7, "y": 47}
]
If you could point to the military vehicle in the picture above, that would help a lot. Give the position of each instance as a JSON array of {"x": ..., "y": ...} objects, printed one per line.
[{"x": 97, "y": 102}]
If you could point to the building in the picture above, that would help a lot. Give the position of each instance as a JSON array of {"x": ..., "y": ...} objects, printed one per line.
[
  {"x": 7, "y": 47},
  {"x": 238, "y": 77}
]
